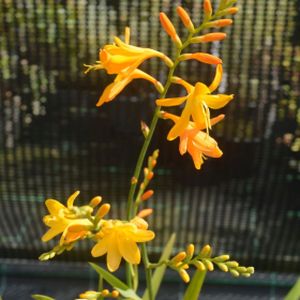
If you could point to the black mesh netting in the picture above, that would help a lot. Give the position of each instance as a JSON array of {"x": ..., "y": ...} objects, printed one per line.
[{"x": 53, "y": 140}]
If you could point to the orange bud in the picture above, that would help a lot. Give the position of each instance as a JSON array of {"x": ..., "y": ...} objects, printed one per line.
[
  {"x": 185, "y": 18},
  {"x": 202, "y": 57},
  {"x": 210, "y": 37},
  {"x": 153, "y": 163},
  {"x": 95, "y": 201},
  {"x": 145, "y": 212},
  {"x": 190, "y": 249},
  {"x": 207, "y": 8},
  {"x": 169, "y": 28},
  {"x": 179, "y": 257},
  {"x": 150, "y": 175},
  {"x": 220, "y": 23},
  {"x": 105, "y": 292},
  {"x": 232, "y": 10},
  {"x": 115, "y": 294},
  {"x": 147, "y": 195},
  {"x": 103, "y": 210}
]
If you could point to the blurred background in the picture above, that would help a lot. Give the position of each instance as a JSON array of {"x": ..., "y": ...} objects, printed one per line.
[{"x": 53, "y": 141}]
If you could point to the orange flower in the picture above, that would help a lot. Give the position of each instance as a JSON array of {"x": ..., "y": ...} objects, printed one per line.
[
  {"x": 119, "y": 56},
  {"x": 196, "y": 142},
  {"x": 122, "y": 80},
  {"x": 198, "y": 101}
]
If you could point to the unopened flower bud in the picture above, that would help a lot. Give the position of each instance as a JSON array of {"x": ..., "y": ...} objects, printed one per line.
[
  {"x": 232, "y": 264},
  {"x": 234, "y": 273},
  {"x": 190, "y": 249},
  {"x": 221, "y": 258},
  {"x": 241, "y": 269},
  {"x": 102, "y": 211},
  {"x": 147, "y": 195},
  {"x": 231, "y": 10},
  {"x": 185, "y": 18},
  {"x": 95, "y": 201},
  {"x": 199, "y": 265},
  {"x": 179, "y": 257},
  {"x": 209, "y": 37},
  {"x": 115, "y": 294},
  {"x": 170, "y": 29},
  {"x": 184, "y": 275},
  {"x": 134, "y": 180},
  {"x": 105, "y": 293},
  {"x": 145, "y": 212},
  {"x": 222, "y": 267},
  {"x": 209, "y": 265},
  {"x": 207, "y": 8},
  {"x": 220, "y": 23},
  {"x": 146, "y": 172},
  {"x": 150, "y": 175},
  {"x": 250, "y": 270},
  {"x": 206, "y": 251},
  {"x": 144, "y": 128}
]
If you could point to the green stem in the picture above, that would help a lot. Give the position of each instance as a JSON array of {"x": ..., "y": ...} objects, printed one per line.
[
  {"x": 147, "y": 271},
  {"x": 141, "y": 158}
]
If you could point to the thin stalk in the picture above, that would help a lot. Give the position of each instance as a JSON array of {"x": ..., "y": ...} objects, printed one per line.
[{"x": 147, "y": 271}]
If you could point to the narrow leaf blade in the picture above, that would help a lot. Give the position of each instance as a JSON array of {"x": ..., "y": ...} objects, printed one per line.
[
  {"x": 111, "y": 279},
  {"x": 130, "y": 294},
  {"x": 40, "y": 297},
  {"x": 294, "y": 293},
  {"x": 160, "y": 271},
  {"x": 194, "y": 288}
]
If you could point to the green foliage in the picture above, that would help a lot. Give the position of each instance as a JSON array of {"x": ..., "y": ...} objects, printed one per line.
[
  {"x": 194, "y": 288},
  {"x": 294, "y": 293},
  {"x": 160, "y": 271},
  {"x": 41, "y": 297}
]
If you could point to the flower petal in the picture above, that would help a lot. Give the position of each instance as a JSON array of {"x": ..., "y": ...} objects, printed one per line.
[
  {"x": 217, "y": 101},
  {"x": 71, "y": 199},
  {"x": 217, "y": 79},
  {"x": 129, "y": 250},
  {"x": 181, "y": 125},
  {"x": 113, "y": 254},
  {"x": 196, "y": 155},
  {"x": 52, "y": 232},
  {"x": 141, "y": 236},
  {"x": 54, "y": 206},
  {"x": 100, "y": 248},
  {"x": 170, "y": 101}
]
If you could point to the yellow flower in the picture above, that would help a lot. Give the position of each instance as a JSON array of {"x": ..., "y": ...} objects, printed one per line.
[
  {"x": 122, "y": 80},
  {"x": 198, "y": 101},
  {"x": 196, "y": 142},
  {"x": 66, "y": 220},
  {"x": 119, "y": 239},
  {"x": 120, "y": 56}
]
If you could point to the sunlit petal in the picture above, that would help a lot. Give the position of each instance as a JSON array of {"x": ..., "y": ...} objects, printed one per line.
[
  {"x": 71, "y": 199},
  {"x": 129, "y": 250},
  {"x": 217, "y": 101},
  {"x": 217, "y": 79},
  {"x": 170, "y": 101}
]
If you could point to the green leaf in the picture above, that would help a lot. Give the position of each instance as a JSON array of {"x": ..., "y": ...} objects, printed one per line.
[
  {"x": 41, "y": 297},
  {"x": 130, "y": 294},
  {"x": 110, "y": 278},
  {"x": 160, "y": 271},
  {"x": 194, "y": 288},
  {"x": 294, "y": 293}
]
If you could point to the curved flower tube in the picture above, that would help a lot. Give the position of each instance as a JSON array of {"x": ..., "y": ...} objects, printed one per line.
[
  {"x": 198, "y": 101},
  {"x": 196, "y": 142},
  {"x": 119, "y": 239}
]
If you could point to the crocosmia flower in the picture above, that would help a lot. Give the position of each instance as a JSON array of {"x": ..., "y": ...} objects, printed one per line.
[
  {"x": 197, "y": 142},
  {"x": 119, "y": 239},
  {"x": 198, "y": 101},
  {"x": 65, "y": 220}
]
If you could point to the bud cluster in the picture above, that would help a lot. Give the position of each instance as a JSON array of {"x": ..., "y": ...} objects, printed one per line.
[{"x": 204, "y": 262}]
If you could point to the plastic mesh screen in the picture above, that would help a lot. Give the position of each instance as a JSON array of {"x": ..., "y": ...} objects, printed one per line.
[{"x": 53, "y": 140}]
